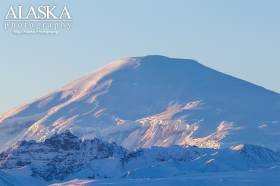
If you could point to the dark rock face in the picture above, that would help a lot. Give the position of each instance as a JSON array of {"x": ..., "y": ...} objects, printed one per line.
[{"x": 64, "y": 141}]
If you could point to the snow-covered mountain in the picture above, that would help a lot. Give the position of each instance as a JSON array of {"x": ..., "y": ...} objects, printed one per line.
[
  {"x": 59, "y": 156},
  {"x": 65, "y": 157},
  {"x": 152, "y": 101}
]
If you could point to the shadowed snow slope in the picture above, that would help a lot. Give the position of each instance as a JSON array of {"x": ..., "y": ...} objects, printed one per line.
[{"x": 152, "y": 101}]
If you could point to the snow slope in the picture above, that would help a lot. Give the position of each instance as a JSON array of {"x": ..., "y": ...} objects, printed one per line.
[
  {"x": 152, "y": 101},
  {"x": 241, "y": 178}
]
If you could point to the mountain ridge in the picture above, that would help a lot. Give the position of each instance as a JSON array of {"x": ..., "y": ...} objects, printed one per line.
[{"x": 64, "y": 156}]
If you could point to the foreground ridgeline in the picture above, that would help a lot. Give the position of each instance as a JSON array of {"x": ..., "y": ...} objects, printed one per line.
[{"x": 64, "y": 156}]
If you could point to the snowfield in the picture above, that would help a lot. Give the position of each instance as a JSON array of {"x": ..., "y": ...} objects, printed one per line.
[
  {"x": 241, "y": 178},
  {"x": 255, "y": 178}
]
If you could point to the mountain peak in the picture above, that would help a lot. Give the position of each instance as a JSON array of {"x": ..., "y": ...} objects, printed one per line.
[
  {"x": 151, "y": 101},
  {"x": 156, "y": 58},
  {"x": 65, "y": 140}
]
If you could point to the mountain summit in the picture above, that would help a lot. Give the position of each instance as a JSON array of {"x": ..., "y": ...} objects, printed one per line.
[{"x": 152, "y": 101}]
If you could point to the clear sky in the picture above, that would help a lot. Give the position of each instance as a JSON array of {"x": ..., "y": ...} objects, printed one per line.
[{"x": 238, "y": 37}]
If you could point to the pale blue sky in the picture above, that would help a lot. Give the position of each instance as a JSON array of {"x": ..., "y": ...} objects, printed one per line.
[{"x": 238, "y": 37}]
